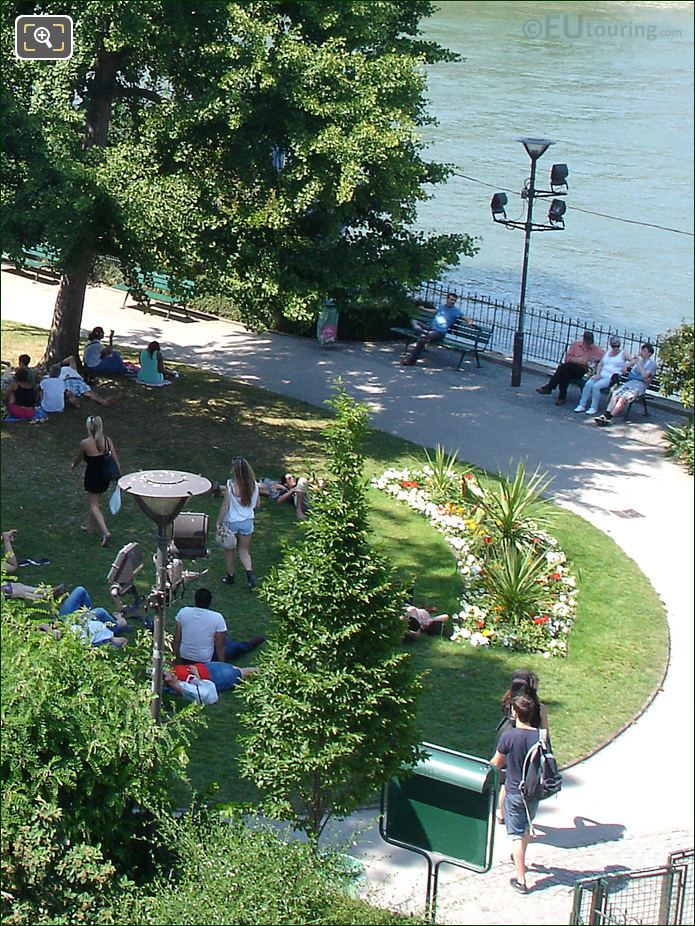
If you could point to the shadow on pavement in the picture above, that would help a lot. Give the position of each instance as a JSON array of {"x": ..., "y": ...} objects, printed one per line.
[{"x": 586, "y": 832}]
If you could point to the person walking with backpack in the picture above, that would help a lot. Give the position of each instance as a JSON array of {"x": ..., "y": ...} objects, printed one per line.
[{"x": 512, "y": 748}]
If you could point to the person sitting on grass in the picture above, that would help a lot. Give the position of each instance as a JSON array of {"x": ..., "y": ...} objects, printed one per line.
[
  {"x": 289, "y": 488},
  {"x": 419, "y": 621},
  {"x": 21, "y": 397},
  {"x": 201, "y": 634},
  {"x": 640, "y": 373},
  {"x": 104, "y": 360},
  {"x": 223, "y": 675},
  {"x": 152, "y": 371}
]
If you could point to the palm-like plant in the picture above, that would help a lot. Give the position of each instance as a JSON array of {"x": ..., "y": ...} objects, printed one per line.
[
  {"x": 514, "y": 504},
  {"x": 515, "y": 583},
  {"x": 442, "y": 478}
]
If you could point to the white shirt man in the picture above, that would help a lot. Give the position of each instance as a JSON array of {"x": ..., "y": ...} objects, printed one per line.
[{"x": 200, "y": 634}]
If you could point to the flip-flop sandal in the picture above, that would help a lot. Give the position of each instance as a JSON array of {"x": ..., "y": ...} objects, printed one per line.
[{"x": 34, "y": 562}]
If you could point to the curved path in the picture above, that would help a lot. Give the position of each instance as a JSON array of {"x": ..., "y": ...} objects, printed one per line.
[{"x": 631, "y": 803}]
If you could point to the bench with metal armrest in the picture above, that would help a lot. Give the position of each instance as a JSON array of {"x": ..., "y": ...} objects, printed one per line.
[
  {"x": 465, "y": 335},
  {"x": 158, "y": 287}
]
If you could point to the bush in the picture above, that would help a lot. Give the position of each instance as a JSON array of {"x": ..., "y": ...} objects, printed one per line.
[
  {"x": 680, "y": 444},
  {"x": 677, "y": 364},
  {"x": 331, "y": 716},
  {"x": 227, "y": 873},
  {"x": 83, "y": 769}
]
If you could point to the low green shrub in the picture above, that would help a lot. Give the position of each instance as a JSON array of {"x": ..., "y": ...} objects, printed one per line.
[
  {"x": 228, "y": 873},
  {"x": 84, "y": 770},
  {"x": 680, "y": 444}
]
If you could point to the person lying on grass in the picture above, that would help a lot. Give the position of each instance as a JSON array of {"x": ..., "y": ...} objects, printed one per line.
[
  {"x": 287, "y": 489},
  {"x": 223, "y": 675},
  {"x": 419, "y": 621}
]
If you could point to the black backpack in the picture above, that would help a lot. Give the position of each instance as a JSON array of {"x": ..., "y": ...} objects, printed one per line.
[{"x": 540, "y": 776}]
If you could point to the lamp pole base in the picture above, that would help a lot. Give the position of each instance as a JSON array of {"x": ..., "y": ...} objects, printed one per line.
[{"x": 517, "y": 358}]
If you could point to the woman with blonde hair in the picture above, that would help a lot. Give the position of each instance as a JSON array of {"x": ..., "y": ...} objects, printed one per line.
[
  {"x": 93, "y": 450},
  {"x": 236, "y": 520}
]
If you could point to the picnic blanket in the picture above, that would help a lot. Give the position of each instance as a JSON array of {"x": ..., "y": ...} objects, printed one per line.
[{"x": 39, "y": 416}]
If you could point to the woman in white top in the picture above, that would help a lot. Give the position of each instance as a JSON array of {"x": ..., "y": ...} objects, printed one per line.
[
  {"x": 235, "y": 520},
  {"x": 613, "y": 362}
]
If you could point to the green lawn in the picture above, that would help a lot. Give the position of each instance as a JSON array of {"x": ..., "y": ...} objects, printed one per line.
[{"x": 198, "y": 424}]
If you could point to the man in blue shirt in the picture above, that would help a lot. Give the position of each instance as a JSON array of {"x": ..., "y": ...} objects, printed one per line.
[{"x": 445, "y": 316}]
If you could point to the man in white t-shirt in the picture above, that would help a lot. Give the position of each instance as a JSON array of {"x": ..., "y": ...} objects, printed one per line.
[
  {"x": 53, "y": 391},
  {"x": 201, "y": 634}
]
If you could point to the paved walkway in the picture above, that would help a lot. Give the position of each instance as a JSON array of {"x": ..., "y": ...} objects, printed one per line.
[{"x": 631, "y": 803}]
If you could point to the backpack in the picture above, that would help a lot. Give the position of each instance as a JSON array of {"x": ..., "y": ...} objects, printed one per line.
[{"x": 540, "y": 776}]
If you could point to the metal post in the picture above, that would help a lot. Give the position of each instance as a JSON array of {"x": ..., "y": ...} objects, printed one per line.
[
  {"x": 518, "y": 353},
  {"x": 158, "y": 630}
]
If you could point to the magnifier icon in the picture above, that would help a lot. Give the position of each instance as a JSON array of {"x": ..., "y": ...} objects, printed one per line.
[{"x": 43, "y": 35}]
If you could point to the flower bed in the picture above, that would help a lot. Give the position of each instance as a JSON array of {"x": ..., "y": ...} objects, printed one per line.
[{"x": 517, "y": 591}]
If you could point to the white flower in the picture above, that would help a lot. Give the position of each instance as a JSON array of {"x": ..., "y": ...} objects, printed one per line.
[{"x": 477, "y": 639}]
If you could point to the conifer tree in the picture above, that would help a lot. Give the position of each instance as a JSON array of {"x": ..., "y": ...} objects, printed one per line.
[{"x": 332, "y": 713}]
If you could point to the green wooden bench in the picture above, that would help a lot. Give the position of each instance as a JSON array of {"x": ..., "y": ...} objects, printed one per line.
[
  {"x": 157, "y": 287},
  {"x": 653, "y": 392},
  {"x": 39, "y": 259},
  {"x": 464, "y": 337}
]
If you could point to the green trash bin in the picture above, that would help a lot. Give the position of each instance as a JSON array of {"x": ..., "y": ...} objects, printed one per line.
[{"x": 444, "y": 810}]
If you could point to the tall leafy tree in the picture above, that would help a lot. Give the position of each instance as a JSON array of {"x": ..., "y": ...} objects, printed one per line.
[
  {"x": 332, "y": 713},
  {"x": 267, "y": 149}
]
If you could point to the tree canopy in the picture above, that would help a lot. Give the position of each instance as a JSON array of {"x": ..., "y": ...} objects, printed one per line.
[{"x": 267, "y": 150}]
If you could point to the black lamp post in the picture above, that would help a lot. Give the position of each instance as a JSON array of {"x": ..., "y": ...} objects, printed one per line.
[
  {"x": 161, "y": 494},
  {"x": 535, "y": 148}
]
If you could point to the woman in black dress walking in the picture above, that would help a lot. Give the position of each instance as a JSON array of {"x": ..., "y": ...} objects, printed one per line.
[{"x": 93, "y": 451}]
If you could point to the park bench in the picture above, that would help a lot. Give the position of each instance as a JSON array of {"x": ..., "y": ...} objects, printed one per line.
[
  {"x": 158, "y": 288},
  {"x": 653, "y": 391},
  {"x": 464, "y": 337},
  {"x": 39, "y": 259}
]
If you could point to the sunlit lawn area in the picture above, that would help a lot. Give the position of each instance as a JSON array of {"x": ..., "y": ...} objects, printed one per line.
[{"x": 616, "y": 653}]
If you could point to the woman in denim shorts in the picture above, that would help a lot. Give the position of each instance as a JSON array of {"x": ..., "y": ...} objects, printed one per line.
[{"x": 235, "y": 522}]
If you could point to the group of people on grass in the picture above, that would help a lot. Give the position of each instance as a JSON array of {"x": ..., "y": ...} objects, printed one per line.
[
  {"x": 601, "y": 370},
  {"x": 29, "y": 396}
]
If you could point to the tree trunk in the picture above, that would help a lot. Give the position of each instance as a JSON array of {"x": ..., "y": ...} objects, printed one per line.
[{"x": 64, "y": 337}]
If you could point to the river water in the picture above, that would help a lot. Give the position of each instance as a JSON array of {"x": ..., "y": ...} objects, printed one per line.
[{"x": 612, "y": 84}]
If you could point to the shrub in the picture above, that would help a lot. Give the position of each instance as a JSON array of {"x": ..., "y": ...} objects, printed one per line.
[
  {"x": 332, "y": 713},
  {"x": 677, "y": 364},
  {"x": 227, "y": 873},
  {"x": 83, "y": 769},
  {"x": 680, "y": 444}
]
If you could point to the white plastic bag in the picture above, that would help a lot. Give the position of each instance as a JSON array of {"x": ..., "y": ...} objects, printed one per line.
[
  {"x": 115, "y": 501},
  {"x": 200, "y": 690}
]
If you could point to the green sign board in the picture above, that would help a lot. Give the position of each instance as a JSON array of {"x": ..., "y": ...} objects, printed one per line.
[{"x": 444, "y": 810}]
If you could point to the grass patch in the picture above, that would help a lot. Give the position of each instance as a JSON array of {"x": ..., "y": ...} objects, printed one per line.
[{"x": 616, "y": 652}]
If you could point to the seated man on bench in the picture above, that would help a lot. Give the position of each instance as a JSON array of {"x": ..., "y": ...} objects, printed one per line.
[{"x": 444, "y": 319}]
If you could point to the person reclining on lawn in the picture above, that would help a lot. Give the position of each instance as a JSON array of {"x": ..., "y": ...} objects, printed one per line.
[
  {"x": 419, "y": 621},
  {"x": 223, "y": 675},
  {"x": 289, "y": 488}
]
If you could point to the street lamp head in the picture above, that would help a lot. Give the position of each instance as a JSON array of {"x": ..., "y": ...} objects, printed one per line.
[
  {"x": 162, "y": 493},
  {"x": 497, "y": 204},
  {"x": 558, "y": 178},
  {"x": 558, "y": 207},
  {"x": 536, "y": 147}
]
